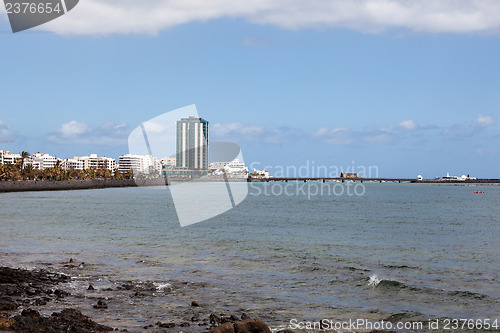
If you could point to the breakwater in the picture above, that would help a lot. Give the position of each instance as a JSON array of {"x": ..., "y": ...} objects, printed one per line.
[
  {"x": 63, "y": 185},
  {"x": 375, "y": 180}
]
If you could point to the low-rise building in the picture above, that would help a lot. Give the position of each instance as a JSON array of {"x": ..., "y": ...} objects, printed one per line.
[
  {"x": 236, "y": 167},
  {"x": 260, "y": 174},
  {"x": 6, "y": 157},
  {"x": 43, "y": 161},
  {"x": 139, "y": 164},
  {"x": 169, "y": 161},
  {"x": 71, "y": 163},
  {"x": 93, "y": 161},
  {"x": 348, "y": 175}
]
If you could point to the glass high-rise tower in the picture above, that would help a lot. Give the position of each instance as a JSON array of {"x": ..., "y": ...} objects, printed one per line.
[{"x": 192, "y": 144}]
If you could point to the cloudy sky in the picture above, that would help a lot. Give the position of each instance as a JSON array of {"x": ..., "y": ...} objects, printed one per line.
[{"x": 411, "y": 87}]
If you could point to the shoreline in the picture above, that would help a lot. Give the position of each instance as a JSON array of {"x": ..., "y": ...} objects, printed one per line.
[
  {"x": 65, "y": 185},
  {"x": 41, "y": 299},
  {"x": 9, "y": 186}
]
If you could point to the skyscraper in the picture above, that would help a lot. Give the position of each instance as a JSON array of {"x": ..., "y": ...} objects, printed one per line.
[{"x": 192, "y": 143}]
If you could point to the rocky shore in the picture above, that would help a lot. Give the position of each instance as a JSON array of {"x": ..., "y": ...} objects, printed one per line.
[{"x": 27, "y": 297}]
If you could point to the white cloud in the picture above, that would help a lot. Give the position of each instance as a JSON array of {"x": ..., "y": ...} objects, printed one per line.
[
  {"x": 100, "y": 17},
  {"x": 73, "y": 128},
  {"x": 238, "y": 132},
  {"x": 409, "y": 125},
  {"x": 345, "y": 136},
  {"x": 75, "y": 132},
  {"x": 5, "y": 129},
  {"x": 335, "y": 136},
  {"x": 248, "y": 132},
  {"x": 485, "y": 152},
  {"x": 471, "y": 127},
  {"x": 486, "y": 120}
]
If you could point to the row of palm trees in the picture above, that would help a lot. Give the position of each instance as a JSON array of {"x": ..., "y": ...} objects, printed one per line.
[{"x": 22, "y": 171}]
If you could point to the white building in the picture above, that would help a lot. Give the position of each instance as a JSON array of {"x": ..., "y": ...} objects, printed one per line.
[
  {"x": 217, "y": 166},
  {"x": 6, "y": 157},
  {"x": 448, "y": 177},
  {"x": 71, "y": 163},
  {"x": 43, "y": 161},
  {"x": 95, "y": 162},
  {"x": 144, "y": 164},
  {"x": 261, "y": 173},
  {"x": 169, "y": 161},
  {"x": 236, "y": 167}
]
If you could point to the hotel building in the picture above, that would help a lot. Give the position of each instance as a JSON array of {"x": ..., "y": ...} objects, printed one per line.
[{"x": 192, "y": 144}]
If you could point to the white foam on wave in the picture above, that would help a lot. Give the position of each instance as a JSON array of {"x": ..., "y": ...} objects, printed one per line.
[
  {"x": 160, "y": 287},
  {"x": 374, "y": 280}
]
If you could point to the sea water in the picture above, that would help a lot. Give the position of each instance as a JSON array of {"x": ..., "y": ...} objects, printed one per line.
[{"x": 426, "y": 249}]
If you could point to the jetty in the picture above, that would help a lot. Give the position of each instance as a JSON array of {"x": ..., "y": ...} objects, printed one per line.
[{"x": 372, "y": 180}]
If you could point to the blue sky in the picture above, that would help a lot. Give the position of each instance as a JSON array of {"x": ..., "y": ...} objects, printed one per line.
[{"x": 403, "y": 89}]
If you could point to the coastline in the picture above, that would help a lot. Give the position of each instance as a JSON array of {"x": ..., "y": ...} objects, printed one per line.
[
  {"x": 65, "y": 185},
  {"x": 89, "y": 184},
  {"x": 44, "y": 300}
]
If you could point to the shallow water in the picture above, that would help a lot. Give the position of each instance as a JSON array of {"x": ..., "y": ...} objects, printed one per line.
[{"x": 434, "y": 247}]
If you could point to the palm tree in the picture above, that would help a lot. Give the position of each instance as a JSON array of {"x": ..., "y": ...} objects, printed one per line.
[{"x": 24, "y": 155}]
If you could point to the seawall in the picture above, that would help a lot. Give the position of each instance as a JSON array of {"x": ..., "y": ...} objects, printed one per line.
[{"x": 64, "y": 185}]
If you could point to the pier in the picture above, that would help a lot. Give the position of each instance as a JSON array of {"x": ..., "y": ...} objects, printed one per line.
[{"x": 373, "y": 180}]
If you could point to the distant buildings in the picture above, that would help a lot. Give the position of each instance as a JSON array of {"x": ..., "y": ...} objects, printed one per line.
[
  {"x": 139, "y": 164},
  {"x": 43, "y": 161},
  {"x": 169, "y": 162},
  {"x": 348, "y": 175},
  {"x": 191, "y": 160},
  {"x": 448, "y": 177},
  {"x": 264, "y": 174},
  {"x": 93, "y": 161},
  {"x": 72, "y": 163},
  {"x": 6, "y": 157},
  {"x": 192, "y": 144},
  {"x": 235, "y": 168}
]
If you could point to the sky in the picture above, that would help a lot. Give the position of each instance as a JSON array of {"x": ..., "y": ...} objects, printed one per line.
[{"x": 407, "y": 87}]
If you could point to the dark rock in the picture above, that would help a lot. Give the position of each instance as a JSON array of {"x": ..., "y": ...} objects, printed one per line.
[
  {"x": 245, "y": 316},
  {"x": 194, "y": 304},
  {"x": 16, "y": 283},
  {"x": 71, "y": 260},
  {"x": 224, "y": 328},
  {"x": 214, "y": 320},
  {"x": 251, "y": 326},
  {"x": 68, "y": 320},
  {"x": 165, "y": 325},
  {"x": 100, "y": 305},
  {"x": 91, "y": 287},
  {"x": 60, "y": 293},
  {"x": 244, "y": 326},
  {"x": 30, "y": 313},
  {"x": 7, "y": 304},
  {"x": 184, "y": 324},
  {"x": 128, "y": 286}
]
